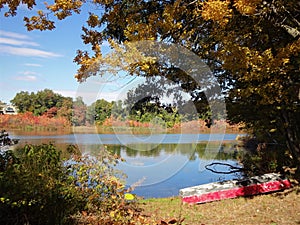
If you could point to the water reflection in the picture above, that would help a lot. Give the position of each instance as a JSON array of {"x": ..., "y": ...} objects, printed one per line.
[
  {"x": 127, "y": 139},
  {"x": 163, "y": 167},
  {"x": 191, "y": 151}
]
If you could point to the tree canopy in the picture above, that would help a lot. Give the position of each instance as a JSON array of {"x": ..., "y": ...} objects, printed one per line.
[
  {"x": 252, "y": 47},
  {"x": 99, "y": 111},
  {"x": 40, "y": 102}
]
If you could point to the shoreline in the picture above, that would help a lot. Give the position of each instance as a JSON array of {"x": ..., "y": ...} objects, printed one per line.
[
  {"x": 189, "y": 127},
  {"x": 122, "y": 130}
]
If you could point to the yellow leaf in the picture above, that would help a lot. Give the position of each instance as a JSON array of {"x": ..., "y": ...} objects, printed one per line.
[
  {"x": 112, "y": 214},
  {"x": 129, "y": 196}
]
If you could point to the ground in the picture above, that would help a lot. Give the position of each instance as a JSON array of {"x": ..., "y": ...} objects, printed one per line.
[{"x": 269, "y": 209}]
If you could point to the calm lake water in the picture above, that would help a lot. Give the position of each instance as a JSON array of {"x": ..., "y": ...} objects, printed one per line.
[{"x": 161, "y": 164}]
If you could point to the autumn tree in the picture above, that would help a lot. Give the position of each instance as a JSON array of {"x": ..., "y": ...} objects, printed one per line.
[
  {"x": 24, "y": 101},
  {"x": 45, "y": 100},
  {"x": 252, "y": 47},
  {"x": 118, "y": 110},
  {"x": 38, "y": 103},
  {"x": 66, "y": 108},
  {"x": 79, "y": 112},
  {"x": 148, "y": 103},
  {"x": 99, "y": 111}
]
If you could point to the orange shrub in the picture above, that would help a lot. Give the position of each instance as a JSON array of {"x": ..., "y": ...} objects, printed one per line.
[{"x": 29, "y": 121}]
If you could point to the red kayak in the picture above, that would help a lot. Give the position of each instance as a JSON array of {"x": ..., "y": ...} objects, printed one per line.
[{"x": 270, "y": 182}]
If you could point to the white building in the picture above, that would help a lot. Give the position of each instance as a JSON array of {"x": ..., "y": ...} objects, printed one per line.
[{"x": 9, "y": 109}]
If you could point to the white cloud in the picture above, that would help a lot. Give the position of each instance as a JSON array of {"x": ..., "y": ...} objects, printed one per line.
[
  {"x": 115, "y": 96},
  {"x": 26, "y": 78},
  {"x": 66, "y": 93},
  {"x": 28, "y": 73},
  {"x": 27, "y": 52},
  {"x": 13, "y": 35},
  {"x": 33, "y": 64},
  {"x": 89, "y": 96},
  {"x": 15, "y": 44},
  {"x": 11, "y": 41}
]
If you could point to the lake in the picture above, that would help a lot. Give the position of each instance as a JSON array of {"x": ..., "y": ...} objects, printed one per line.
[{"x": 158, "y": 164}]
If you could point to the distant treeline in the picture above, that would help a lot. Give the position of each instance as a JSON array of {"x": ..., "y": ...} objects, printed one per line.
[{"x": 46, "y": 107}]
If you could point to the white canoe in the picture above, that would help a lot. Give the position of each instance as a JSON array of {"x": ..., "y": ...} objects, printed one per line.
[{"x": 234, "y": 188}]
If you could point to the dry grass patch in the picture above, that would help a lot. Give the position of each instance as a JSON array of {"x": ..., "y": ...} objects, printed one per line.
[{"x": 271, "y": 209}]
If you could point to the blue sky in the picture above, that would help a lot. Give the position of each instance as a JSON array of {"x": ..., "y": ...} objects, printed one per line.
[{"x": 35, "y": 60}]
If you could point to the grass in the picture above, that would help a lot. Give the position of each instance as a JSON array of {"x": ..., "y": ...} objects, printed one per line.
[{"x": 270, "y": 209}]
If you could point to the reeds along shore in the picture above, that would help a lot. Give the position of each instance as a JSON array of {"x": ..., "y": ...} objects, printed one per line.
[{"x": 29, "y": 122}]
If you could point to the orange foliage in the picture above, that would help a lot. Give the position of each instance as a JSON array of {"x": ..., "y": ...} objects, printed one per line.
[
  {"x": 195, "y": 126},
  {"x": 246, "y": 7},
  {"x": 28, "y": 120},
  {"x": 111, "y": 121},
  {"x": 217, "y": 11}
]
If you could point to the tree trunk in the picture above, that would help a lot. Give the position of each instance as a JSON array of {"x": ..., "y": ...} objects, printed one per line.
[{"x": 292, "y": 139}]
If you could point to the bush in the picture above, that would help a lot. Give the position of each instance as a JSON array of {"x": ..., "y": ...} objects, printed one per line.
[
  {"x": 35, "y": 188},
  {"x": 28, "y": 121},
  {"x": 38, "y": 187},
  {"x": 101, "y": 186}
]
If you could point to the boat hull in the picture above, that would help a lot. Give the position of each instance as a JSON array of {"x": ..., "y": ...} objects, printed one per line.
[{"x": 234, "y": 188}]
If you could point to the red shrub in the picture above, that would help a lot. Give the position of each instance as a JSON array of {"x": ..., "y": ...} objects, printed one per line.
[{"x": 28, "y": 120}]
